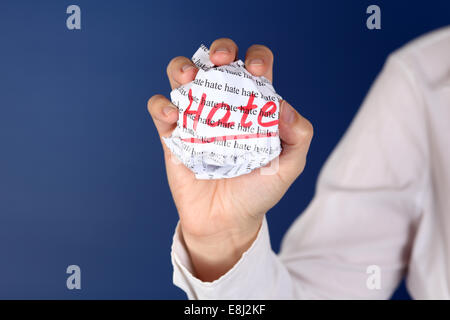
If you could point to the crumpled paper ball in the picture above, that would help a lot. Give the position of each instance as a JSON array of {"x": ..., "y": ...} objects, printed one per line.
[{"x": 228, "y": 120}]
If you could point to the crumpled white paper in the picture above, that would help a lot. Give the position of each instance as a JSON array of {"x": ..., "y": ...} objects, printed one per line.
[{"x": 228, "y": 120}]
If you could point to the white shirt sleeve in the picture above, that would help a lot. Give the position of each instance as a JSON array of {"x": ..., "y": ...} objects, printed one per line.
[
  {"x": 362, "y": 218},
  {"x": 258, "y": 264}
]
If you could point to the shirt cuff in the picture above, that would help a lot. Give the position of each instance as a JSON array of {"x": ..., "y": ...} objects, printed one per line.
[{"x": 243, "y": 281}]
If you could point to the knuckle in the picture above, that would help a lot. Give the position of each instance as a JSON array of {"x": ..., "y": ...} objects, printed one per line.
[
  {"x": 154, "y": 101},
  {"x": 307, "y": 130},
  {"x": 224, "y": 41},
  {"x": 174, "y": 62},
  {"x": 262, "y": 49}
]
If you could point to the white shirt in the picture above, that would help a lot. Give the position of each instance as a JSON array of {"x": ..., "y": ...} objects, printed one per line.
[{"x": 383, "y": 199}]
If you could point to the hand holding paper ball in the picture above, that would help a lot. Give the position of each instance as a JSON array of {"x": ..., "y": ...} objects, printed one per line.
[{"x": 220, "y": 218}]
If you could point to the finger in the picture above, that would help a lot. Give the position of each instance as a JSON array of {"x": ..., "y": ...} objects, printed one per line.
[
  {"x": 181, "y": 70},
  {"x": 296, "y": 133},
  {"x": 259, "y": 61},
  {"x": 164, "y": 114},
  {"x": 223, "y": 51}
]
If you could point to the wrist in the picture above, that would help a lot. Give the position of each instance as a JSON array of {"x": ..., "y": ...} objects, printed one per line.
[{"x": 214, "y": 255}]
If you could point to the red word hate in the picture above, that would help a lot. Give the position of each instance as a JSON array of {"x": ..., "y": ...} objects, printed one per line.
[{"x": 267, "y": 111}]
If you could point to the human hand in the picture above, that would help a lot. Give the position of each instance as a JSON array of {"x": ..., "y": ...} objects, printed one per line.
[{"x": 220, "y": 219}]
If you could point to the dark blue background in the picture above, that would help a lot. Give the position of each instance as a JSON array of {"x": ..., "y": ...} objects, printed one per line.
[{"x": 82, "y": 179}]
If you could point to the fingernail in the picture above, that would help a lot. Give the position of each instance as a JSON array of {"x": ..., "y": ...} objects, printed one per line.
[
  {"x": 187, "y": 67},
  {"x": 222, "y": 50},
  {"x": 287, "y": 113},
  {"x": 168, "y": 109},
  {"x": 255, "y": 61}
]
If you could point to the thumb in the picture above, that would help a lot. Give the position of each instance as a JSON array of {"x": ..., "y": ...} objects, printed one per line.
[{"x": 296, "y": 133}]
